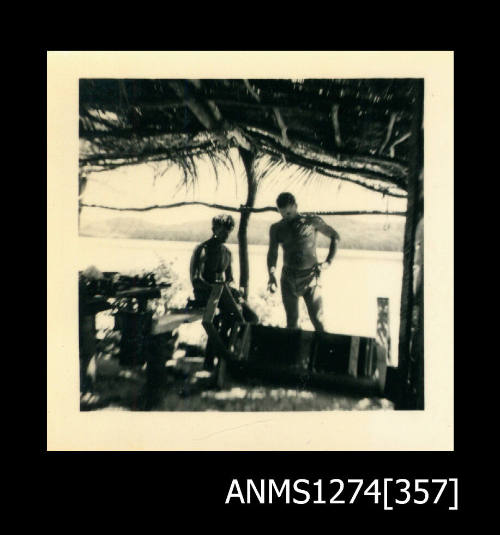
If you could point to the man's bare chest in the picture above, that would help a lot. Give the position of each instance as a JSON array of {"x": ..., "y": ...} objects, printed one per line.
[{"x": 297, "y": 232}]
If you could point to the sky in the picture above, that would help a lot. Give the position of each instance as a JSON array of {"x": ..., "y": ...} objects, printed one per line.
[{"x": 150, "y": 184}]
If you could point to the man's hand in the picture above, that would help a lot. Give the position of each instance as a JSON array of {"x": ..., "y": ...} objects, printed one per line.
[
  {"x": 272, "y": 285},
  {"x": 323, "y": 266}
]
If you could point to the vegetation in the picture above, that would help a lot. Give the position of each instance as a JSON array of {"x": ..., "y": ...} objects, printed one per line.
[{"x": 384, "y": 234}]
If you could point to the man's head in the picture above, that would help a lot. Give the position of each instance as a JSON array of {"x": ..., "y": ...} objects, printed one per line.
[
  {"x": 287, "y": 206},
  {"x": 222, "y": 225}
]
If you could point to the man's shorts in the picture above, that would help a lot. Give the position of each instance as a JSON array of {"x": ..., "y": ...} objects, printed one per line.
[{"x": 298, "y": 281}]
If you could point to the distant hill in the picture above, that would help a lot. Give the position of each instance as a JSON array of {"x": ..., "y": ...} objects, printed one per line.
[{"x": 355, "y": 233}]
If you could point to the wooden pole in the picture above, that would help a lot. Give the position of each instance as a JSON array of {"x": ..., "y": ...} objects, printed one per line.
[
  {"x": 238, "y": 209},
  {"x": 82, "y": 184},
  {"x": 248, "y": 158},
  {"x": 417, "y": 331},
  {"x": 410, "y": 393}
]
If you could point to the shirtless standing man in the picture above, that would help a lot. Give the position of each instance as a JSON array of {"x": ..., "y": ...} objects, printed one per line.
[{"x": 301, "y": 271}]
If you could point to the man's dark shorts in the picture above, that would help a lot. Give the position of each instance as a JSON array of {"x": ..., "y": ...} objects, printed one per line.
[{"x": 297, "y": 282}]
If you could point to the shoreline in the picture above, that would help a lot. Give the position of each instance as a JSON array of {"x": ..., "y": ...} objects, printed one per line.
[{"x": 182, "y": 244}]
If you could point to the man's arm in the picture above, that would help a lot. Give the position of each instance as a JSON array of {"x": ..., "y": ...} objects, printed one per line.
[
  {"x": 331, "y": 233},
  {"x": 229, "y": 270},
  {"x": 237, "y": 293},
  {"x": 272, "y": 258},
  {"x": 272, "y": 253},
  {"x": 197, "y": 267}
]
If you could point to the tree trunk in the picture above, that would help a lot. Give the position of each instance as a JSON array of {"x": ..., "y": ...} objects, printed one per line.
[
  {"x": 410, "y": 393},
  {"x": 417, "y": 329},
  {"x": 248, "y": 161}
]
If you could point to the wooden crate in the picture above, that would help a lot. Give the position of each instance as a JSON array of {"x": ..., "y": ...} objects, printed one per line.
[{"x": 353, "y": 362}]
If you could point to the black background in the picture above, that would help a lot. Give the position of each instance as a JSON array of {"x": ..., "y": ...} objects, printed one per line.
[{"x": 171, "y": 491}]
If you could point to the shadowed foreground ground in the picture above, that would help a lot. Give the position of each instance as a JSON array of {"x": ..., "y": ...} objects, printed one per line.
[{"x": 189, "y": 388}]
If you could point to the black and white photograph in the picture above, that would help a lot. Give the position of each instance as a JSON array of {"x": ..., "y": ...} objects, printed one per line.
[{"x": 251, "y": 245}]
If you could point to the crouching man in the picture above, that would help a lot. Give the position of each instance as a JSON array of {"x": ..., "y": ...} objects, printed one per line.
[{"x": 212, "y": 263}]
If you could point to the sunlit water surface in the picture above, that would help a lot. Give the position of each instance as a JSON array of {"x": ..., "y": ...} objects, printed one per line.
[{"x": 350, "y": 287}]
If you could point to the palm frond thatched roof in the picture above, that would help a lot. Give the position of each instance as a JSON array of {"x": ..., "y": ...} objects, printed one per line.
[{"x": 356, "y": 130}]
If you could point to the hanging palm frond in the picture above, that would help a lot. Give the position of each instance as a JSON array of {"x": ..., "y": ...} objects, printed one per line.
[{"x": 125, "y": 122}]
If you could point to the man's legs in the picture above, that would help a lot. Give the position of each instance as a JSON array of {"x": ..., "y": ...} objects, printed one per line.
[
  {"x": 314, "y": 303},
  {"x": 290, "y": 302},
  {"x": 208, "y": 363},
  {"x": 248, "y": 314}
]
